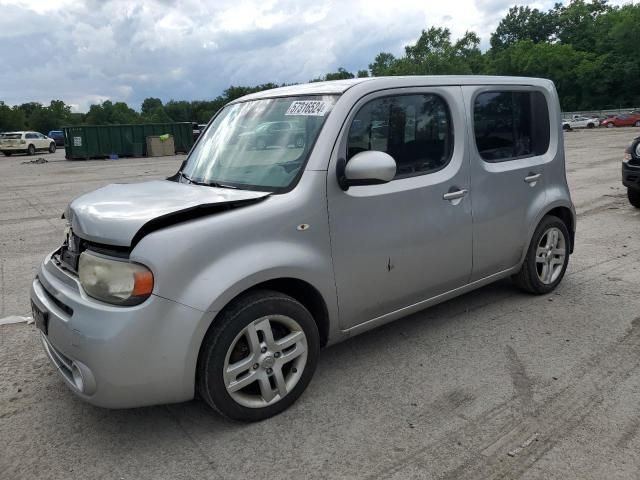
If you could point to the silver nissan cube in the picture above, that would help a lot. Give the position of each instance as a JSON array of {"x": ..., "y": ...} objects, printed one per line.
[{"x": 302, "y": 216}]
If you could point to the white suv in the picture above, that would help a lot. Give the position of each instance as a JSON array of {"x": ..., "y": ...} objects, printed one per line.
[{"x": 25, "y": 142}]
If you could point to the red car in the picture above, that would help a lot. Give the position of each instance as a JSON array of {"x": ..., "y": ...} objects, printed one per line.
[{"x": 628, "y": 120}]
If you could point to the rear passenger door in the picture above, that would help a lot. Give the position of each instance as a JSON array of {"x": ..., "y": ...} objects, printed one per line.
[{"x": 509, "y": 145}]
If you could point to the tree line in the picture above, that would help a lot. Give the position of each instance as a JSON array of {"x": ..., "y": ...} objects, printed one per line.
[{"x": 588, "y": 48}]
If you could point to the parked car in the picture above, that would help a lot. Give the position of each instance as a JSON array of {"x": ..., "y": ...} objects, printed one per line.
[
  {"x": 58, "y": 136},
  {"x": 580, "y": 121},
  {"x": 627, "y": 120},
  {"x": 25, "y": 142},
  {"x": 226, "y": 279},
  {"x": 631, "y": 172},
  {"x": 274, "y": 134}
]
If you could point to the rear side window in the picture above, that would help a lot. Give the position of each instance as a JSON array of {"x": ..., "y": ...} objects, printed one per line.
[
  {"x": 11, "y": 136},
  {"x": 511, "y": 124},
  {"x": 30, "y": 135},
  {"x": 414, "y": 129}
]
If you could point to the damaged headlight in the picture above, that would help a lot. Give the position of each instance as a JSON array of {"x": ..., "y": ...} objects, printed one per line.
[{"x": 114, "y": 281}]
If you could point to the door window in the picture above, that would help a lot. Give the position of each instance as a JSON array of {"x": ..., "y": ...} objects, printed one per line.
[
  {"x": 510, "y": 125},
  {"x": 414, "y": 129}
]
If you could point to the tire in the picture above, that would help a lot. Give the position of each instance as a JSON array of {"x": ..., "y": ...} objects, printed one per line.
[
  {"x": 251, "y": 393},
  {"x": 533, "y": 277},
  {"x": 610, "y": 125},
  {"x": 7, "y": 154},
  {"x": 566, "y": 127},
  {"x": 634, "y": 197},
  {"x": 31, "y": 150},
  {"x": 590, "y": 125},
  {"x": 637, "y": 124},
  {"x": 52, "y": 148}
]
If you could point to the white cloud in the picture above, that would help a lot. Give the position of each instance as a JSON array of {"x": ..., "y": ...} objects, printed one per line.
[{"x": 85, "y": 51}]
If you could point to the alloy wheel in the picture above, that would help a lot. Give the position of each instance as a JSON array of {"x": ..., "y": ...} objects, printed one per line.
[
  {"x": 550, "y": 255},
  {"x": 265, "y": 361}
]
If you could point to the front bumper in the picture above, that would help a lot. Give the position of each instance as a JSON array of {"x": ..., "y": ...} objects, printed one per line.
[
  {"x": 631, "y": 174},
  {"x": 118, "y": 357}
]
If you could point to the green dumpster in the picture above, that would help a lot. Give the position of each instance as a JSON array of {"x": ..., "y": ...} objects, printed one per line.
[{"x": 102, "y": 141}]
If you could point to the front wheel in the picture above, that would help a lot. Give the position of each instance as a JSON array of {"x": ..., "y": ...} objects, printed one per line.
[
  {"x": 52, "y": 148},
  {"x": 547, "y": 257},
  {"x": 634, "y": 197},
  {"x": 258, "y": 356},
  {"x": 610, "y": 125},
  {"x": 637, "y": 124},
  {"x": 7, "y": 154}
]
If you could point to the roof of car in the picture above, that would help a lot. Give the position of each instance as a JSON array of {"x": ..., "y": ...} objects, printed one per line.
[{"x": 337, "y": 87}]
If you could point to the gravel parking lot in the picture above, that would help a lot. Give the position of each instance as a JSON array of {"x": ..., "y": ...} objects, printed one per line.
[{"x": 494, "y": 384}]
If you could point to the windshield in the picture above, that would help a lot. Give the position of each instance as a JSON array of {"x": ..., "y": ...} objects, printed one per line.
[{"x": 259, "y": 145}]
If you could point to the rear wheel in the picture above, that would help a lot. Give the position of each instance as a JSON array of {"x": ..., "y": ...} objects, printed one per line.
[
  {"x": 590, "y": 125},
  {"x": 637, "y": 124},
  {"x": 634, "y": 197},
  {"x": 52, "y": 148},
  {"x": 610, "y": 125},
  {"x": 258, "y": 357},
  {"x": 566, "y": 127},
  {"x": 31, "y": 150},
  {"x": 547, "y": 257},
  {"x": 7, "y": 154}
]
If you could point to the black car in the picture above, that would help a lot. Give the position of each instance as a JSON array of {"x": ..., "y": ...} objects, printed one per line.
[
  {"x": 631, "y": 172},
  {"x": 58, "y": 136}
]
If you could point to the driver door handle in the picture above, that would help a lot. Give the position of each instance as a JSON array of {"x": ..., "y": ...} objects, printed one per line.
[
  {"x": 455, "y": 195},
  {"x": 533, "y": 177}
]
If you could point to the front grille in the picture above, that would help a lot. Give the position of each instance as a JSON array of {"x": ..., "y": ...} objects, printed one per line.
[{"x": 69, "y": 253}]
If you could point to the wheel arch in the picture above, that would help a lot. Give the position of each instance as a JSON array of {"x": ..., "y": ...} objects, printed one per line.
[
  {"x": 564, "y": 211},
  {"x": 566, "y": 215},
  {"x": 302, "y": 291}
]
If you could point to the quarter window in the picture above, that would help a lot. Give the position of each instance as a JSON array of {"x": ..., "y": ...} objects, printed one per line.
[
  {"x": 414, "y": 129},
  {"x": 510, "y": 125}
]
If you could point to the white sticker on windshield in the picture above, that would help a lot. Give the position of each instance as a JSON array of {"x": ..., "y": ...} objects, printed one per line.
[{"x": 314, "y": 108}]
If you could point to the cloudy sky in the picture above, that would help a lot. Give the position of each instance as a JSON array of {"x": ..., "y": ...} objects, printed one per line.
[{"x": 86, "y": 51}]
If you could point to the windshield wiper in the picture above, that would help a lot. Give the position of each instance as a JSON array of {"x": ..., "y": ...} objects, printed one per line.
[{"x": 205, "y": 184}]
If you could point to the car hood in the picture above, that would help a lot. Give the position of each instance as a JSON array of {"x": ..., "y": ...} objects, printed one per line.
[{"x": 122, "y": 214}]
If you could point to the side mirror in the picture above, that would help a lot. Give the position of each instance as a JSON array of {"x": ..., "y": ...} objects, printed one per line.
[{"x": 366, "y": 168}]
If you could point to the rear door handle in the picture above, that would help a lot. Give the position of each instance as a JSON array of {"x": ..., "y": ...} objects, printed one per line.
[
  {"x": 532, "y": 177},
  {"x": 455, "y": 195}
]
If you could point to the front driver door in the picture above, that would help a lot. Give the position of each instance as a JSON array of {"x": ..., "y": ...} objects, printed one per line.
[{"x": 398, "y": 244}]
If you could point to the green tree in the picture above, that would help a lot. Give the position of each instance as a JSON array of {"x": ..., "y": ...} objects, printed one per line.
[
  {"x": 382, "y": 64},
  {"x": 341, "y": 74},
  {"x": 11, "y": 118},
  {"x": 524, "y": 23},
  {"x": 150, "y": 104}
]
